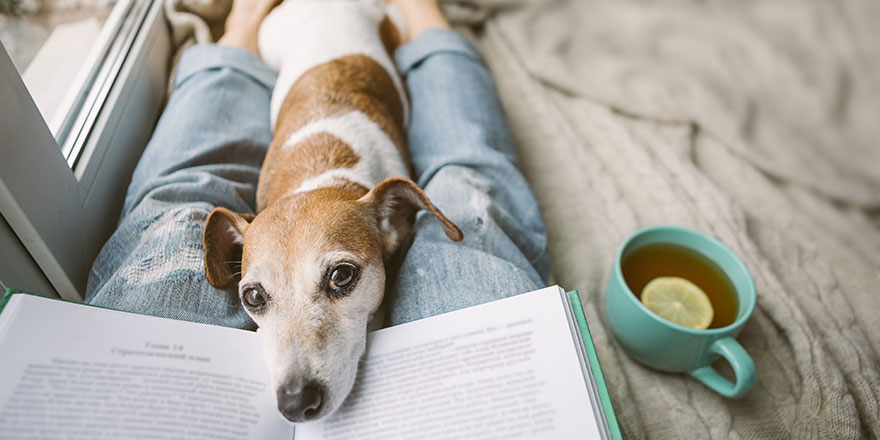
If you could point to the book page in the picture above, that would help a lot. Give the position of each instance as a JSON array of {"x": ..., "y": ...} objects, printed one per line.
[
  {"x": 502, "y": 370},
  {"x": 107, "y": 374}
]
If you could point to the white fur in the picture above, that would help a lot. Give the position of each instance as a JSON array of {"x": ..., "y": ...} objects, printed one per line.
[
  {"x": 294, "y": 311},
  {"x": 378, "y": 157},
  {"x": 301, "y": 34}
]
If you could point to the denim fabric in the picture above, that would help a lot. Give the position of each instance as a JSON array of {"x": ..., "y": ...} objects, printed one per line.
[
  {"x": 464, "y": 158},
  {"x": 207, "y": 151}
]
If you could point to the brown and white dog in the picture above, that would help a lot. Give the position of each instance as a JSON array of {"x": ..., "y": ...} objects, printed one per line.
[{"x": 333, "y": 199}]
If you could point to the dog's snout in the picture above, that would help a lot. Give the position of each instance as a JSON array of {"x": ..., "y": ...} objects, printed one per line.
[{"x": 301, "y": 403}]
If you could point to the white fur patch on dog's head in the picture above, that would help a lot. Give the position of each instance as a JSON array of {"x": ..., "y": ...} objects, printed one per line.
[
  {"x": 306, "y": 334},
  {"x": 313, "y": 331}
]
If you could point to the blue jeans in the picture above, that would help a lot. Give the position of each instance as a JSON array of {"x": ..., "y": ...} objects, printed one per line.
[{"x": 207, "y": 151}]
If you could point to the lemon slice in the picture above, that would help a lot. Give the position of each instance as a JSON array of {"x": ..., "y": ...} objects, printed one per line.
[{"x": 679, "y": 301}]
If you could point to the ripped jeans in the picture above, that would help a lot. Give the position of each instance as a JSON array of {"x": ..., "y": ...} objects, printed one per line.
[{"x": 207, "y": 151}]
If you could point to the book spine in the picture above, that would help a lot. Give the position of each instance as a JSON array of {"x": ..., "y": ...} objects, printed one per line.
[{"x": 605, "y": 398}]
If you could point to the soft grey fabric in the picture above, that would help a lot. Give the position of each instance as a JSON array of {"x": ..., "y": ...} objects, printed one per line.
[
  {"x": 757, "y": 122},
  {"x": 193, "y": 22}
]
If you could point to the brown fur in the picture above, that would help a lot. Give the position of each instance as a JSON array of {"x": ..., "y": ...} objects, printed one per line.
[
  {"x": 217, "y": 242},
  {"x": 390, "y": 36},
  {"x": 369, "y": 224},
  {"x": 310, "y": 158},
  {"x": 354, "y": 82},
  {"x": 331, "y": 217}
]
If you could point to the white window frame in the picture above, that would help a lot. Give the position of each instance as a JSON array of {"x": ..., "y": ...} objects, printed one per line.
[{"x": 63, "y": 201}]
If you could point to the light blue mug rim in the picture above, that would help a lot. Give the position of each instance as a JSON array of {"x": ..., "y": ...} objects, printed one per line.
[{"x": 750, "y": 285}]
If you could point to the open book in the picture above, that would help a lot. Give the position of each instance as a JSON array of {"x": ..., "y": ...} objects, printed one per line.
[{"x": 519, "y": 367}]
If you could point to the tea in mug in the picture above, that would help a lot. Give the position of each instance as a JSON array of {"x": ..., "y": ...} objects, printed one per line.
[{"x": 670, "y": 260}]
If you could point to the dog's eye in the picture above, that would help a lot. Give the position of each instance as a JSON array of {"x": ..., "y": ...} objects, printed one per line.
[
  {"x": 341, "y": 278},
  {"x": 254, "y": 297},
  {"x": 342, "y": 275}
]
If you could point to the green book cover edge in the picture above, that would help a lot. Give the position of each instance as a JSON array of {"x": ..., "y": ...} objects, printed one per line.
[
  {"x": 6, "y": 296},
  {"x": 605, "y": 398}
]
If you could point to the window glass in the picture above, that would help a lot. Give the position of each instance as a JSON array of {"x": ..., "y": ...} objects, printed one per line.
[{"x": 49, "y": 41}]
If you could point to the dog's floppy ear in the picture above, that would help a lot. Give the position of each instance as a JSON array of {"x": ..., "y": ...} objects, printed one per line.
[
  {"x": 222, "y": 240},
  {"x": 396, "y": 200}
]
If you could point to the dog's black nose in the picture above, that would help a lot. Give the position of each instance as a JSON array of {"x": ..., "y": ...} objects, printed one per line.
[{"x": 301, "y": 403}]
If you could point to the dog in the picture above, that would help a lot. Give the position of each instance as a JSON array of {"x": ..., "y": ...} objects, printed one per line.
[{"x": 333, "y": 199}]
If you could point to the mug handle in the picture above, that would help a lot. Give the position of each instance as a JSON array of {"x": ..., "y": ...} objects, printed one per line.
[{"x": 742, "y": 364}]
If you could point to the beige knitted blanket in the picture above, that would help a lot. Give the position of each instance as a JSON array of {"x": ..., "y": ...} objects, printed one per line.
[{"x": 757, "y": 122}]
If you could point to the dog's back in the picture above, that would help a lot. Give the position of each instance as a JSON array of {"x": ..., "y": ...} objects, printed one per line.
[
  {"x": 301, "y": 34},
  {"x": 336, "y": 79}
]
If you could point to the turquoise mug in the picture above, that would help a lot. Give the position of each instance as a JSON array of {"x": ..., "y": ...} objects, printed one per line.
[{"x": 667, "y": 346}]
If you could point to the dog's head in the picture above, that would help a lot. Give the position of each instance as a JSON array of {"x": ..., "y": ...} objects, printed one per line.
[{"x": 312, "y": 275}]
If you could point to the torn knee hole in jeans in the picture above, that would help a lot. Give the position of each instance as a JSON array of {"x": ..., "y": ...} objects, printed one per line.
[{"x": 175, "y": 248}]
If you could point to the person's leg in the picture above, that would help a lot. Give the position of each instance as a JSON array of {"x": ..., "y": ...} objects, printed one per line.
[
  {"x": 464, "y": 158},
  {"x": 206, "y": 151}
]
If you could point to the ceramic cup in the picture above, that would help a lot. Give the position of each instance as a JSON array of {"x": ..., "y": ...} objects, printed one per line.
[{"x": 667, "y": 346}]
